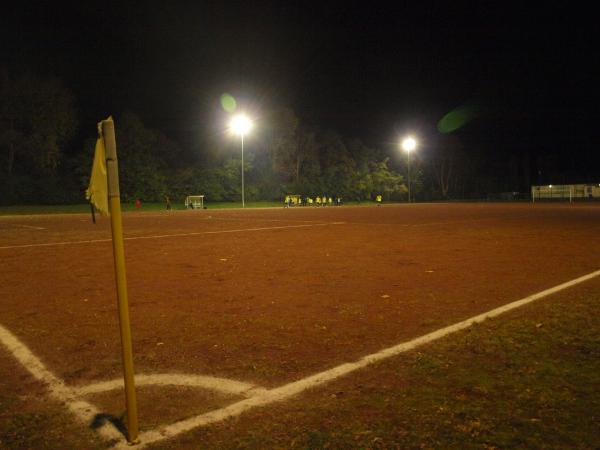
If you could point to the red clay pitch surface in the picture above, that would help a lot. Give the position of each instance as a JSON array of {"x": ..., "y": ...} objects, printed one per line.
[{"x": 271, "y": 296}]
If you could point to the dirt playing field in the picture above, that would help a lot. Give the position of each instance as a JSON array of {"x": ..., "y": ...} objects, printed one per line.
[{"x": 270, "y": 296}]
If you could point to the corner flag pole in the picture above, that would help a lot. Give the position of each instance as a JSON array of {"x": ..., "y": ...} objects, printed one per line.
[{"x": 112, "y": 169}]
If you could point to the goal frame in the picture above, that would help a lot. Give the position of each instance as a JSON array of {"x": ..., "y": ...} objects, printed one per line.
[{"x": 194, "y": 202}]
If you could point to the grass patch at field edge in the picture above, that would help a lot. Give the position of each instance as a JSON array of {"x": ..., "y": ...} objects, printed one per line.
[{"x": 529, "y": 379}]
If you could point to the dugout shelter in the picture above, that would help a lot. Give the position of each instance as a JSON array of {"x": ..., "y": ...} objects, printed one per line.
[{"x": 566, "y": 192}]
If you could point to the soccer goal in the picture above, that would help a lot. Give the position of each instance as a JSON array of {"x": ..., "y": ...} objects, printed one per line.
[{"x": 194, "y": 202}]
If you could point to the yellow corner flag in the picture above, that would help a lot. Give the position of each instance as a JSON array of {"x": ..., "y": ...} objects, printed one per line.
[
  {"x": 97, "y": 191},
  {"x": 102, "y": 193}
]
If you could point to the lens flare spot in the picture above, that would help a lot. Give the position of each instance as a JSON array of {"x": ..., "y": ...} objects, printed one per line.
[
  {"x": 228, "y": 102},
  {"x": 457, "y": 118}
]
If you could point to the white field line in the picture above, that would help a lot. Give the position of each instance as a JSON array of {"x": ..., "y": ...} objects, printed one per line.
[
  {"x": 223, "y": 385},
  {"x": 296, "y": 387},
  {"x": 161, "y": 236},
  {"x": 169, "y": 216},
  {"x": 258, "y": 219},
  {"x": 423, "y": 224},
  {"x": 31, "y": 227},
  {"x": 86, "y": 412},
  {"x": 81, "y": 409}
]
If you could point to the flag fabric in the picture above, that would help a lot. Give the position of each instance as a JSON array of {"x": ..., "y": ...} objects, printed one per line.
[{"x": 97, "y": 191}]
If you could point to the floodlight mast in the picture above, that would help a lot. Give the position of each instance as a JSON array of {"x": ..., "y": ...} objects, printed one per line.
[
  {"x": 408, "y": 145},
  {"x": 240, "y": 124}
]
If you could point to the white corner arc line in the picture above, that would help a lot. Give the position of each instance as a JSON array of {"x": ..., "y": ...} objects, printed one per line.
[
  {"x": 161, "y": 236},
  {"x": 81, "y": 409},
  {"x": 286, "y": 391},
  {"x": 223, "y": 385}
]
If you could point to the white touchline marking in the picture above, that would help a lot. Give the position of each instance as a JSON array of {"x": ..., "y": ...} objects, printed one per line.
[
  {"x": 30, "y": 226},
  {"x": 224, "y": 385},
  {"x": 296, "y": 387},
  {"x": 81, "y": 409},
  {"x": 422, "y": 224},
  {"x": 258, "y": 219},
  {"x": 50, "y": 244},
  {"x": 160, "y": 236},
  {"x": 235, "y": 231}
]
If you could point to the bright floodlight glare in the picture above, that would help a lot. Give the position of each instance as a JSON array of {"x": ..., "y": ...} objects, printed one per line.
[
  {"x": 241, "y": 124},
  {"x": 409, "y": 144}
]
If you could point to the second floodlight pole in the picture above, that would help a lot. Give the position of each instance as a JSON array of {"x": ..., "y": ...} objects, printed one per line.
[
  {"x": 243, "y": 203},
  {"x": 408, "y": 158}
]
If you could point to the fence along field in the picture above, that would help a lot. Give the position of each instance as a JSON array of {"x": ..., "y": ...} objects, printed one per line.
[{"x": 266, "y": 299}]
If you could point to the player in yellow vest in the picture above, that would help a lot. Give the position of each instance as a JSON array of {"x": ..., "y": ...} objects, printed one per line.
[
  {"x": 330, "y": 201},
  {"x": 324, "y": 201},
  {"x": 318, "y": 200},
  {"x": 309, "y": 201},
  {"x": 378, "y": 199}
]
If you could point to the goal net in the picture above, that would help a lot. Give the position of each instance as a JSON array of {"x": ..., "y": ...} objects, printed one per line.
[{"x": 194, "y": 201}]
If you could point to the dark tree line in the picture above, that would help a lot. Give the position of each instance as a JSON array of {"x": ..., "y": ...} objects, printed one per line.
[
  {"x": 43, "y": 158},
  {"x": 42, "y": 164}
]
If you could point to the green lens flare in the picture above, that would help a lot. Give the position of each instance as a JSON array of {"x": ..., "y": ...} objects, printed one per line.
[
  {"x": 457, "y": 118},
  {"x": 228, "y": 102}
]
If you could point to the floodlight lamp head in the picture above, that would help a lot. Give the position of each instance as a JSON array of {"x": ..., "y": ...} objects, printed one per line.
[
  {"x": 240, "y": 124},
  {"x": 409, "y": 144}
]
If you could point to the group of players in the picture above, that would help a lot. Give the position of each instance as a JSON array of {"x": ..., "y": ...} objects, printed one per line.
[{"x": 297, "y": 200}]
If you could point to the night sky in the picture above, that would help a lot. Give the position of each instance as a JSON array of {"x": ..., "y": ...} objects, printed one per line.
[{"x": 363, "y": 69}]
